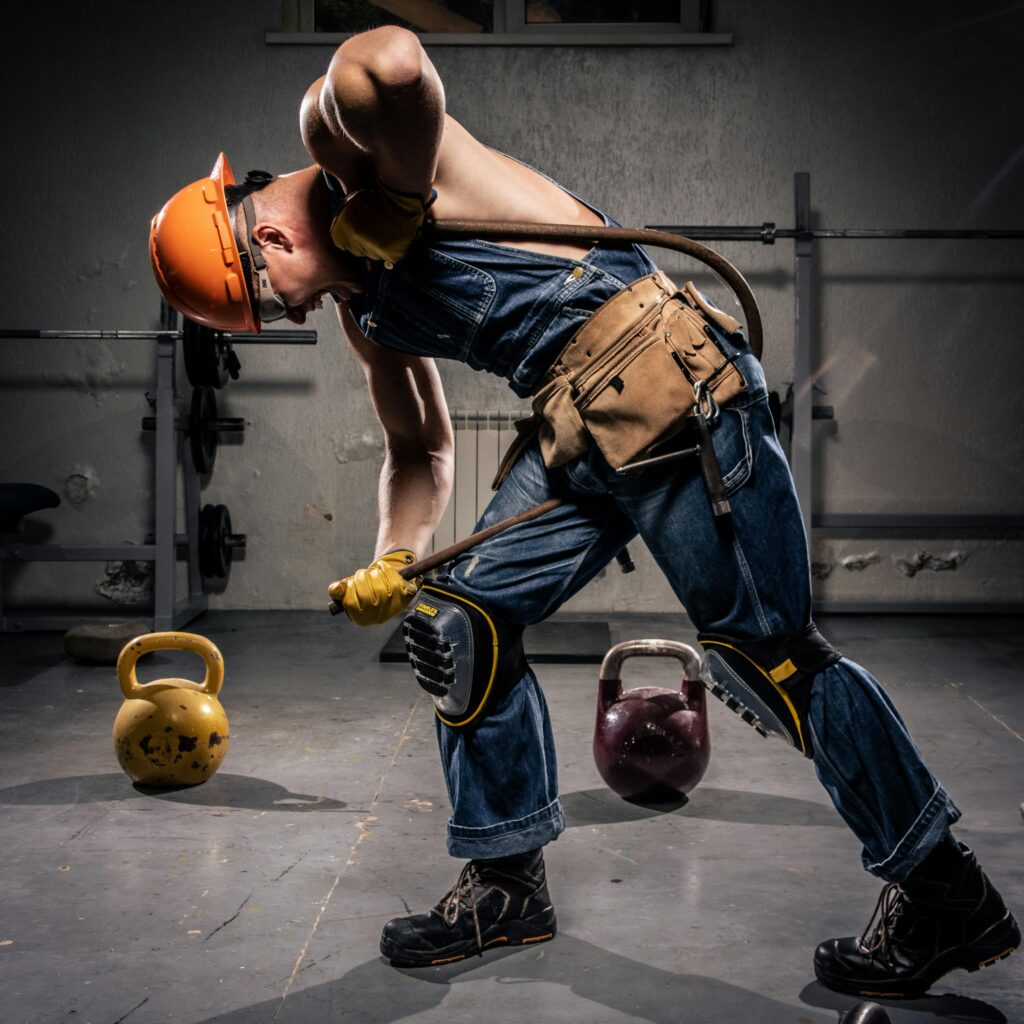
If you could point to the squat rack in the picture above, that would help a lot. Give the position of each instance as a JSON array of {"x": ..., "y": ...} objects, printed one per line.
[
  {"x": 169, "y": 609},
  {"x": 803, "y": 409}
]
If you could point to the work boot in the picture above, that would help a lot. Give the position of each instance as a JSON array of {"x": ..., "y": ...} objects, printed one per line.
[
  {"x": 945, "y": 916},
  {"x": 494, "y": 903}
]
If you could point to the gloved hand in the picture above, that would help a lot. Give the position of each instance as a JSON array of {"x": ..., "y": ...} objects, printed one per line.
[
  {"x": 373, "y": 595},
  {"x": 379, "y": 223}
]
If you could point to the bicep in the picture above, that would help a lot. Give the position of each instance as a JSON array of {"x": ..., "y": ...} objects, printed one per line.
[
  {"x": 325, "y": 139},
  {"x": 382, "y": 92},
  {"x": 316, "y": 134}
]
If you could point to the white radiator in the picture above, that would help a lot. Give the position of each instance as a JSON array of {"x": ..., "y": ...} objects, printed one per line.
[{"x": 481, "y": 438}]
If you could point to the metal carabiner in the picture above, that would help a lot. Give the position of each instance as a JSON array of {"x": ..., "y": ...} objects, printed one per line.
[{"x": 704, "y": 404}]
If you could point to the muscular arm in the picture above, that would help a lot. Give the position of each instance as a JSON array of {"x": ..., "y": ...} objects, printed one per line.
[
  {"x": 379, "y": 108},
  {"x": 416, "y": 479}
]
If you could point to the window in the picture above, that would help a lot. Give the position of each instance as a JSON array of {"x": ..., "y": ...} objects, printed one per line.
[
  {"x": 504, "y": 22},
  {"x": 426, "y": 16}
]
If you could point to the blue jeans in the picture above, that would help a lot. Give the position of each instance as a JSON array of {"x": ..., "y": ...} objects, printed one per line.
[{"x": 747, "y": 579}]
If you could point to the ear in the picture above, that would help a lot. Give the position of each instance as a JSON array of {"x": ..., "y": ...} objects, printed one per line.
[{"x": 272, "y": 236}]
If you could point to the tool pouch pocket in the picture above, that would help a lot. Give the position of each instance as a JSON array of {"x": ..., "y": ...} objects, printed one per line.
[
  {"x": 636, "y": 398},
  {"x": 626, "y": 380}
]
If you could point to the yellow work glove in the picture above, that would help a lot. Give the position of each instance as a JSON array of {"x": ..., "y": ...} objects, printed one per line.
[
  {"x": 373, "y": 595},
  {"x": 379, "y": 223}
]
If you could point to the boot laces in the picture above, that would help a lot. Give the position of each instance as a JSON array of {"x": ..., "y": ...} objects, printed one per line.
[
  {"x": 451, "y": 906},
  {"x": 883, "y": 927}
]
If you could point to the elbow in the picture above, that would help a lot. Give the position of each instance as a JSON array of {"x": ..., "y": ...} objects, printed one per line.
[
  {"x": 442, "y": 449},
  {"x": 435, "y": 454},
  {"x": 442, "y": 460},
  {"x": 391, "y": 56}
]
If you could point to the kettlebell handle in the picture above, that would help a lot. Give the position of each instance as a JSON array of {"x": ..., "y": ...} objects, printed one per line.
[
  {"x": 135, "y": 649},
  {"x": 611, "y": 666}
]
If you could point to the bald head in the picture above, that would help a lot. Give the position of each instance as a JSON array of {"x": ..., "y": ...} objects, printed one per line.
[{"x": 299, "y": 200}]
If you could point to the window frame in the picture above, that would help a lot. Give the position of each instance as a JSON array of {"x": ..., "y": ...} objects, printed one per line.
[{"x": 512, "y": 29}]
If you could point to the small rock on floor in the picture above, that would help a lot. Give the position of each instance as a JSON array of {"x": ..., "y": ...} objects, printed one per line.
[{"x": 102, "y": 642}]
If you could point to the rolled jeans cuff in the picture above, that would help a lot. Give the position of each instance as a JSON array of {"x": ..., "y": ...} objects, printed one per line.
[
  {"x": 921, "y": 838},
  {"x": 507, "y": 837}
]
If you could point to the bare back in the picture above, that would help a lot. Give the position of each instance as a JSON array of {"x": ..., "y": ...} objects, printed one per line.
[{"x": 473, "y": 181}]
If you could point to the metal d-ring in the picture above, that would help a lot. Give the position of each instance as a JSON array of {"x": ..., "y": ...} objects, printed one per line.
[{"x": 704, "y": 404}]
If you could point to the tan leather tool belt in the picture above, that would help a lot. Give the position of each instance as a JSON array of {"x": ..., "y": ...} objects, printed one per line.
[{"x": 626, "y": 379}]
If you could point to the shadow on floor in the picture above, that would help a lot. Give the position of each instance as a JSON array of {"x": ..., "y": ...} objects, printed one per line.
[
  {"x": 948, "y": 1006},
  {"x": 377, "y": 993},
  {"x": 602, "y": 807},
  {"x": 223, "y": 790},
  {"x": 17, "y": 672}
]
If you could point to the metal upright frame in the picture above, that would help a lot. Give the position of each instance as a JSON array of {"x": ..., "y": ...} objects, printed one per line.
[
  {"x": 801, "y": 455},
  {"x": 169, "y": 611},
  {"x": 801, "y": 448}
]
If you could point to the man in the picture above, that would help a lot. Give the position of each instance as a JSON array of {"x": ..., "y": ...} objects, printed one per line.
[{"x": 585, "y": 331}]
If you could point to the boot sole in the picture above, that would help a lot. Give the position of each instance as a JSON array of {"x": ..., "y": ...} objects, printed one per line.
[
  {"x": 515, "y": 933},
  {"x": 995, "y": 944}
]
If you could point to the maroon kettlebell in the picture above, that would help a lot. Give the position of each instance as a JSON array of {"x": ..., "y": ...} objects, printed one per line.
[{"x": 651, "y": 744}]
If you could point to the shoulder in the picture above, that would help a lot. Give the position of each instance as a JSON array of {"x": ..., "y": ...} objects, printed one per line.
[
  {"x": 312, "y": 121},
  {"x": 324, "y": 138}
]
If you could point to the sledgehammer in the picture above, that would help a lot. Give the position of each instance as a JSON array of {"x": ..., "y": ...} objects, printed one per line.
[{"x": 424, "y": 565}]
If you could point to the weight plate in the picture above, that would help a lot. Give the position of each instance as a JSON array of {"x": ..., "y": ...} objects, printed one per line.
[
  {"x": 223, "y": 532},
  {"x": 202, "y": 431},
  {"x": 206, "y": 562},
  {"x": 209, "y": 360},
  {"x": 214, "y": 531}
]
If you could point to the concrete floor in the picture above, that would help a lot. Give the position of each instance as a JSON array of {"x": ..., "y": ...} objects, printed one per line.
[{"x": 259, "y": 896}]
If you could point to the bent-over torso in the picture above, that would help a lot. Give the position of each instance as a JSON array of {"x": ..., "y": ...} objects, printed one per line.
[{"x": 499, "y": 308}]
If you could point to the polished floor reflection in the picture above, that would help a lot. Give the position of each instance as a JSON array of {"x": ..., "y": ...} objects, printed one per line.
[{"x": 259, "y": 895}]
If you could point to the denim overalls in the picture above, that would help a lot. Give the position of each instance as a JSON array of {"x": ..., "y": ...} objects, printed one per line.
[{"x": 511, "y": 312}]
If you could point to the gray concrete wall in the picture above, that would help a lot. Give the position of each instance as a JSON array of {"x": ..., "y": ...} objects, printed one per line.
[{"x": 905, "y": 115}]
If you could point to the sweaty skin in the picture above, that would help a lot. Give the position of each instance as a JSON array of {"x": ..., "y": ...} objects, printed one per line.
[{"x": 378, "y": 113}]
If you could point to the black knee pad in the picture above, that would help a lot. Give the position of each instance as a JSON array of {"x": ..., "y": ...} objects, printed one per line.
[
  {"x": 767, "y": 682},
  {"x": 462, "y": 655}
]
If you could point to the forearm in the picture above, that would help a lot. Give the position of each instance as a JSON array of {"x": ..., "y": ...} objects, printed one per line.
[
  {"x": 383, "y": 93},
  {"x": 412, "y": 497}
]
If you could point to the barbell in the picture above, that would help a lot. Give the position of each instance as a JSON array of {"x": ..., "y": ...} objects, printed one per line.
[{"x": 210, "y": 359}]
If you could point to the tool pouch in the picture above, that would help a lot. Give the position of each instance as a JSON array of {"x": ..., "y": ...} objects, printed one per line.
[{"x": 626, "y": 379}]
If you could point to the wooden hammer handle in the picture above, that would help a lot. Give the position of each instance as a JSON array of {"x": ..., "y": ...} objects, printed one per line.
[{"x": 424, "y": 565}]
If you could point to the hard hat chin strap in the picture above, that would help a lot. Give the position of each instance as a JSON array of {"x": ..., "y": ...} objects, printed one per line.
[{"x": 269, "y": 306}]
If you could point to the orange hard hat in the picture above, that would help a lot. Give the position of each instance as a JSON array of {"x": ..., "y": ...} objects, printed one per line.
[{"x": 196, "y": 259}]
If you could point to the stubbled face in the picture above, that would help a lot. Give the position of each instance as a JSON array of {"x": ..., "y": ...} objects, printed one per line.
[
  {"x": 306, "y": 271},
  {"x": 293, "y": 216}
]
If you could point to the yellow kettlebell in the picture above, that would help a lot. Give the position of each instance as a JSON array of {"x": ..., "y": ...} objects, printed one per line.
[{"x": 171, "y": 732}]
